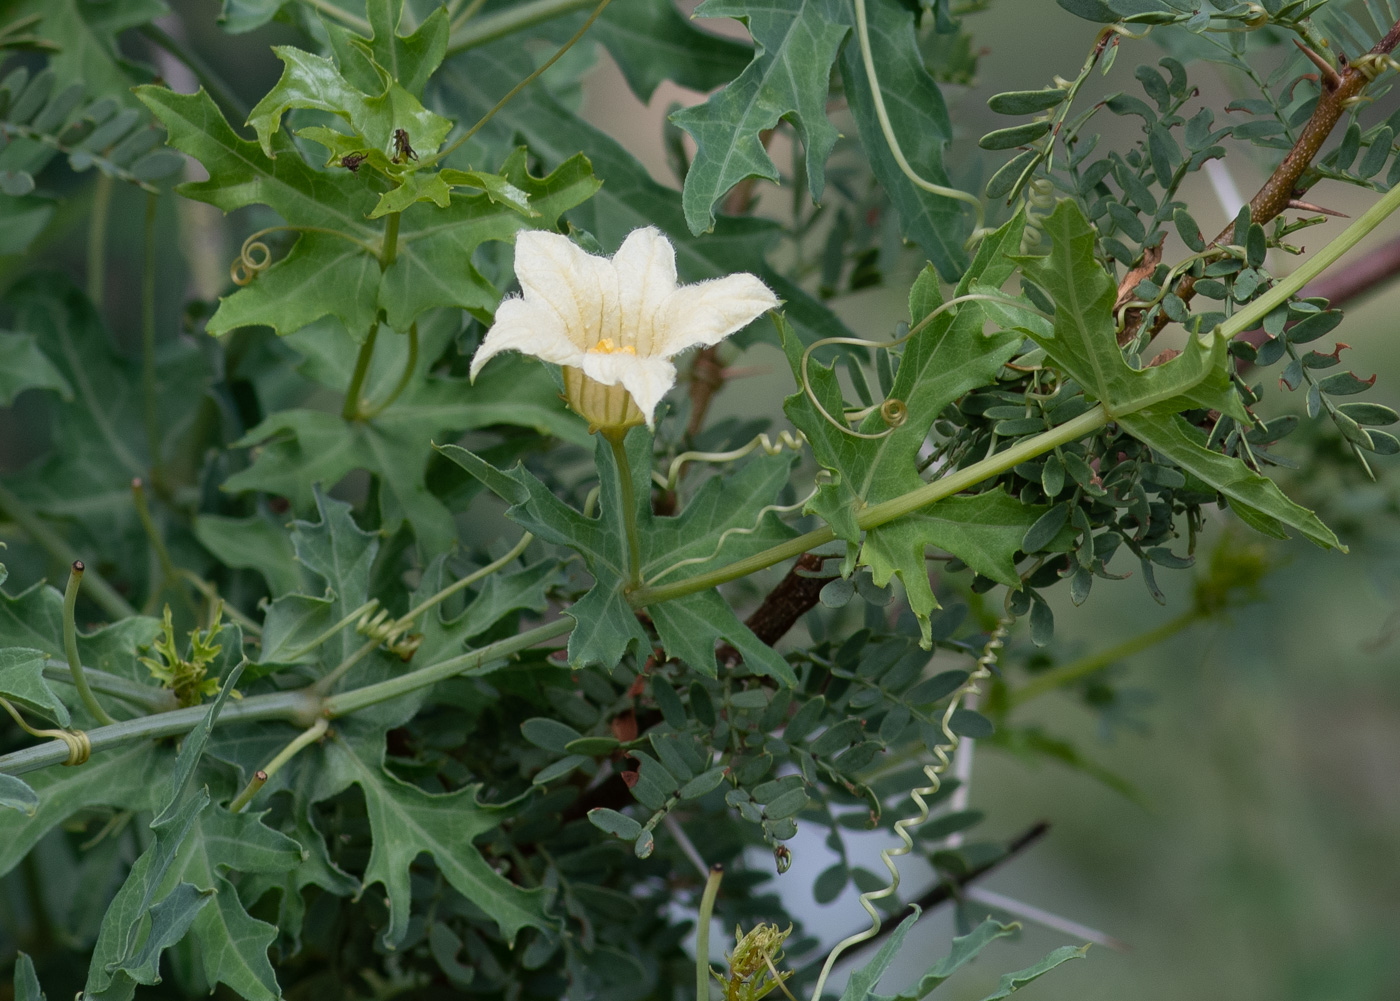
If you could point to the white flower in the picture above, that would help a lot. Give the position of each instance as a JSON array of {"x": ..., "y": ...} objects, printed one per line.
[{"x": 615, "y": 324}]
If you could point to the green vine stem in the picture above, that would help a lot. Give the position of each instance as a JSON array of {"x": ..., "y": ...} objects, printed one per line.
[
  {"x": 879, "y": 514},
  {"x": 628, "y": 499},
  {"x": 702, "y": 933},
  {"x": 101, "y": 592},
  {"x": 170, "y": 576},
  {"x": 312, "y": 734},
  {"x": 302, "y": 707},
  {"x": 79, "y": 750},
  {"x": 297, "y": 707},
  {"x": 1078, "y": 670},
  {"x": 535, "y": 75},
  {"x": 351, "y": 410},
  {"x": 356, "y": 699},
  {"x": 147, "y": 697},
  {"x": 410, "y": 366},
  {"x": 97, "y": 239},
  {"x": 1027, "y": 448},
  {"x": 482, "y": 30},
  {"x": 389, "y": 251},
  {"x": 1253, "y": 314},
  {"x": 148, "y": 341},
  {"x": 70, "y": 646}
]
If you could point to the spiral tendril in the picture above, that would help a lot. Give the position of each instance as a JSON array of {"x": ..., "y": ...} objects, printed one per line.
[
  {"x": 255, "y": 257},
  {"x": 1372, "y": 65},
  {"x": 794, "y": 442},
  {"x": 934, "y": 774},
  {"x": 823, "y": 476},
  {"x": 894, "y": 412},
  {"x": 1040, "y": 202},
  {"x": 393, "y": 633},
  {"x": 79, "y": 746}
]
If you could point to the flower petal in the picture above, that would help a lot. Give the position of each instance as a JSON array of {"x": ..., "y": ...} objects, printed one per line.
[
  {"x": 646, "y": 277},
  {"x": 578, "y": 288},
  {"x": 708, "y": 312},
  {"x": 647, "y": 379},
  {"x": 529, "y": 328}
]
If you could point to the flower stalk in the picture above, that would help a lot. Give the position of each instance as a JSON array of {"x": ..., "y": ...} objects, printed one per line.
[{"x": 628, "y": 499}]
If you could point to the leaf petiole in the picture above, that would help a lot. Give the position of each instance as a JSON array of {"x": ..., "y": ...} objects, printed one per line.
[
  {"x": 312, "y": 734},
  {"x": 70, "y": 646}
]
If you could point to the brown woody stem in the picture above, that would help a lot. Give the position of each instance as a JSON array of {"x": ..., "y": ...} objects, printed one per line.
[{"x": 1338, "y": 91}]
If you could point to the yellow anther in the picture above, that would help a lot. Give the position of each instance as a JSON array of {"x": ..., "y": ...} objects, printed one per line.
[{"x": 608, "y": 347}]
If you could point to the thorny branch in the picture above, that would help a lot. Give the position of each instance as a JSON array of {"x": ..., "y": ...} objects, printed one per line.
[{"x": 1338, "y": 90}]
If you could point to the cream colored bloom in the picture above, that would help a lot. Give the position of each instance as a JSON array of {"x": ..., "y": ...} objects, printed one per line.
[{"x": 615, "y": 324}]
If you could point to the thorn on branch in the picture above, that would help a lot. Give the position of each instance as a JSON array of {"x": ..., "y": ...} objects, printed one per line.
[
  {"x": 1328, "y": 76},
  {"x": 1302, "y": 206}
]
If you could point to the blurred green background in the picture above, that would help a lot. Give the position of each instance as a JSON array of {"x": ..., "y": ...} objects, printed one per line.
[{"x": 1263, "y": 861}]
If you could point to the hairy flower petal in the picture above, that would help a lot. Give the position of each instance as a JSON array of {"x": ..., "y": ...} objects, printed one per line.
[
  {"x": 646, "y": 281},
  {"x": 708, "y": 312},
  {"x": 578, "y": 288},
  {"x": 531, "y": 328}
]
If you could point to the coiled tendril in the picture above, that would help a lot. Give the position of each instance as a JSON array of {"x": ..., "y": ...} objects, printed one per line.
[
  {"x": 934, "y": 773},
  {"x": 79, "y": 746},
  {"x": 894, "y": 412},
  {"x": 877, "y": 95},
  {"x": 786, "y": 440},
  {"x": 392, "y": 633},
  {"x": 255, "y": 257},
  {"x": 1040, "y": 202},
  {"x": 823, "y": 476}
]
